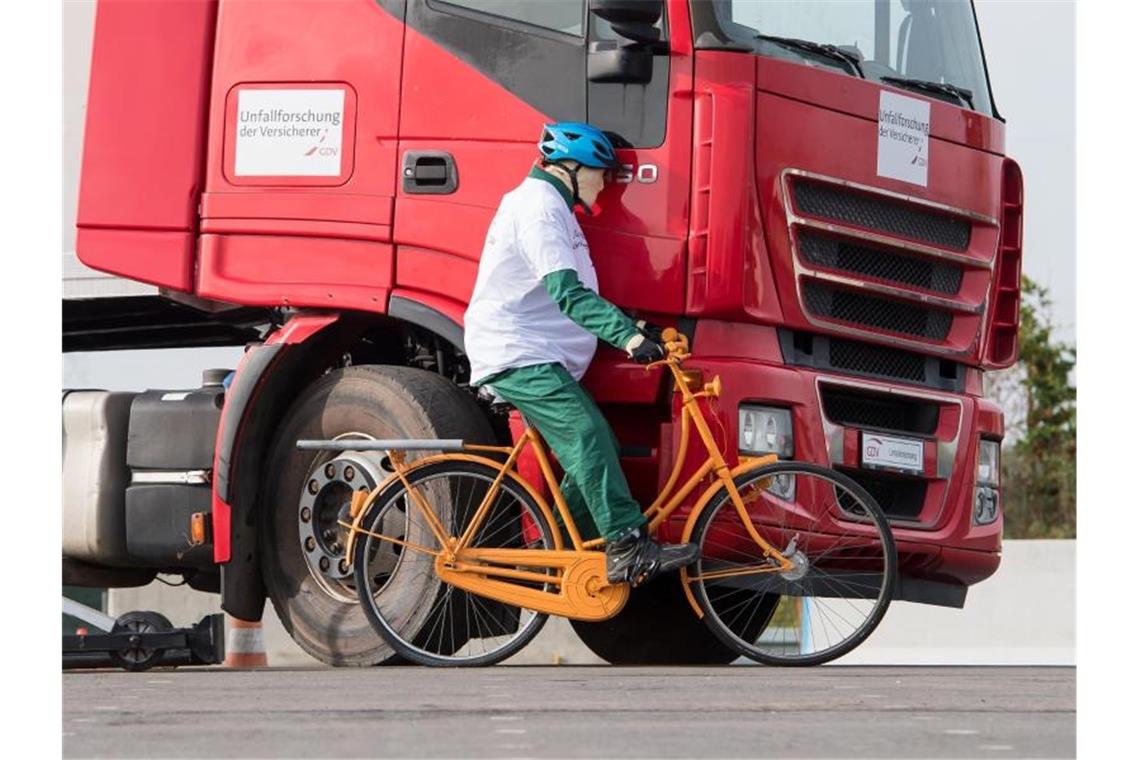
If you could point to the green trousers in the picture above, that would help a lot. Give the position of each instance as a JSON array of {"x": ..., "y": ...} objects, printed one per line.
[{"x": 569, "y": 420}]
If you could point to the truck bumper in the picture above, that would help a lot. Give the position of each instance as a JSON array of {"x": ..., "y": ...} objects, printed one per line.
[{"x": 941, "y": 549}]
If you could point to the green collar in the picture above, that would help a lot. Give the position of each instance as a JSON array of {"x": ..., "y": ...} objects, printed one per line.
[{"x": 559, "y": 185}]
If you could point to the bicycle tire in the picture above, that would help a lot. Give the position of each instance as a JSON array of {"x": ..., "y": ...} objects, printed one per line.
[
  {"x": 417, "y": 642},
  {"x": 853, "y": 568}
]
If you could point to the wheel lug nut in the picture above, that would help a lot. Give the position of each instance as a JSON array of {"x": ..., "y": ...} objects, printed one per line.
[
  {"x": 314, "y": 486},
  {"x": 306, "y": 514},
  {"x": 343, "y": 566},
  {"x": 330, "y": 470},
  {"x": 310, "y": 544},
  {"x": 349, "y": 473},
  {"x": 324, "y": 563}
]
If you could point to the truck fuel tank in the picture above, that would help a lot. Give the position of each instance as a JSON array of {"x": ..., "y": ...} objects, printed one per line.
[
  {"x": 170, "y": 453},
  {"x": 136, "y": 471},
  {"x": 95, "y": 474}
]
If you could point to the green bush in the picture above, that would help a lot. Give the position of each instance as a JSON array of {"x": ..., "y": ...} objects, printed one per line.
[{"x": 1039, "y": 458}]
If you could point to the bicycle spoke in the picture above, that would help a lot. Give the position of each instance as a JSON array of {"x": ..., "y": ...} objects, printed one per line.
[
  {"x": 449, "y": 625},
  {"x": 835, "y": 589}
]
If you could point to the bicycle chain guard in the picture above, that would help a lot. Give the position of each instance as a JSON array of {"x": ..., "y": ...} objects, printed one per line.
[{"x": 583, "y": 591}]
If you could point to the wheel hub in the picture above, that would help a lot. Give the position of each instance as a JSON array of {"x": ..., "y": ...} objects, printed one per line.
[
  {"x": 325, "y": 502},
  {"x": 799, "y": 560}
]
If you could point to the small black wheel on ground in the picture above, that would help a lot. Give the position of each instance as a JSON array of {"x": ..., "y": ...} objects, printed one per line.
[{"x": 137, "y": 657}]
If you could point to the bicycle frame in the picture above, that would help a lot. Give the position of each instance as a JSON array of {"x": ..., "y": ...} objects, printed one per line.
[{"x": 579, "y": 573}]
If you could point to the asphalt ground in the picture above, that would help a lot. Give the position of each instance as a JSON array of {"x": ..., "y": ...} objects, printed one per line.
[{"x": 504, "y": 712}]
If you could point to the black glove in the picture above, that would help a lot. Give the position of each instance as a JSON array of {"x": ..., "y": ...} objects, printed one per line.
[
  {"x": 644, "y": 350},
  {"x": 650, "y": 330}
]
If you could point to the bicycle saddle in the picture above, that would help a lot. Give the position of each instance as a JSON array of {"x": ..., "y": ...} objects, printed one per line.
[{"x": 499, "y": 405}]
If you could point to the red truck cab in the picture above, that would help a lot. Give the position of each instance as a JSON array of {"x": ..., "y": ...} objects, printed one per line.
[{"x": 820, "y": 201}]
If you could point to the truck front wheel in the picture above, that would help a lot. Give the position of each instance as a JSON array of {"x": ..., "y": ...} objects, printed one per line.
[
  {"x": 657, "y": 626},
  {"x": 307, "y": 493}
]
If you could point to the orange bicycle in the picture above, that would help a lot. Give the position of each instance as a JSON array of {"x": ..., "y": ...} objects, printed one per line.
[{"x": 797, "y": 563}]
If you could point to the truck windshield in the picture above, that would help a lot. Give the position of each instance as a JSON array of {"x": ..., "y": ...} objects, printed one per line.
[{"x": 928, "y": 46}]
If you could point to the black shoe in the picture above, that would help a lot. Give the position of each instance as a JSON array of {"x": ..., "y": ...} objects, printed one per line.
[{"x": 638, "y": 558}]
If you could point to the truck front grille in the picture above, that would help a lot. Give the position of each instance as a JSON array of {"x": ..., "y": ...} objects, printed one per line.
[
  {"x": 853, "y": 357},
  {"x": 889, "y": 268},
  {"x": 867, "y": 359},
  {"x": 860, "y": 259},
  {"x": 880, "y": 214},
  {"x": 892, "y": 414},
  {"x": 901, "y": 498},
  {"x": 868, "y": 311}
]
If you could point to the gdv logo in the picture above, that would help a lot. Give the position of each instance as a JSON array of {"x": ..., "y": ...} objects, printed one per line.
[{"x": 321, "y": 150}]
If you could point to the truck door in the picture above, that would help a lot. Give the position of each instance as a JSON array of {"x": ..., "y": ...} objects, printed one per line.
[
  {"x": 301, "y": 164},
  {"x": 637, "y": 241},
  {"x": 480, "y": 78}
]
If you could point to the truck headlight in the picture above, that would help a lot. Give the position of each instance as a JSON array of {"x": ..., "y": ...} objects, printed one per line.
[
  {"x": 987, "y": 488},
  {"x": 765, "y": 430},
  {"x": 768, "y": 430}
]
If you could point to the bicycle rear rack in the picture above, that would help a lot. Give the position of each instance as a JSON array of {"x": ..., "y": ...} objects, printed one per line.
[{"x": 390, "y": 444}]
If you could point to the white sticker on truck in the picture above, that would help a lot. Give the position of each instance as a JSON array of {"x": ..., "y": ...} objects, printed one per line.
[
  {"x": 892, "y": 453},
  {"x": 289, "y": 133},
  {"x": 904, "y": 137}
]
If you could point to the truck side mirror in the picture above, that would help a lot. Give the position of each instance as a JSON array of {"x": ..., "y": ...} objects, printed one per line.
[
  {"x": 642, "y": 34},
  {"x": 646, "y": 12},
  {"x": 631, "y": 61}
]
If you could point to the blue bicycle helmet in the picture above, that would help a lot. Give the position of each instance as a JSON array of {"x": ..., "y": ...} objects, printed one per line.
[
  {"x": 575, "y": 141},
  {"x": 578, "y": 142}
]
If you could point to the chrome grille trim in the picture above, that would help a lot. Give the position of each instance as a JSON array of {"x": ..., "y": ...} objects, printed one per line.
[
  {"x": 893, "y": 292},
  {"x": 889, "y": 242},
  {"x": 947, "y": 451},
  {"x": 887, "y": 216},
  {"x": 988, "y": 220},
  {"x": 861, "y": 310},
  {"x": 887, "y": 265}
]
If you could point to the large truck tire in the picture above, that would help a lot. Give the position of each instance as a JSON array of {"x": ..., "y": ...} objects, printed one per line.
[
  {"x": 313, "y": 594},
  {"x": 657, "y": 626}
]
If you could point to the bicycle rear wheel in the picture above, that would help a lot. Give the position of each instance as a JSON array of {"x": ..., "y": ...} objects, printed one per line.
[
  {"x": 844, "y": 571},
  {"x": 445, "y": 625}
]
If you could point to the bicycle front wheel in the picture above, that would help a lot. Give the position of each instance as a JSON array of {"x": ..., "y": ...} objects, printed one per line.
[
  {"x": 843, "y": 570},
  {"x": 445, "y": 625}
]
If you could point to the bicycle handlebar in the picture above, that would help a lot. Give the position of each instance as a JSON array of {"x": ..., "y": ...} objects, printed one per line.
[{"x": 676, "y": 344}]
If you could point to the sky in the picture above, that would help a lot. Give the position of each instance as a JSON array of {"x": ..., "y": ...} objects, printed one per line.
[
  {"x": 1032, "y": 69},
  {"x": 1030, "y": 50}
]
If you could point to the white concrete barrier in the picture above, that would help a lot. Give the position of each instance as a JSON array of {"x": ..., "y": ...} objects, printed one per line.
[{"x": 1024, "y": 615}]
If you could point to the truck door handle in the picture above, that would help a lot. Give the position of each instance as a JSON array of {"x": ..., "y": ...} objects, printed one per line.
[{"x": 429, "y": 172}]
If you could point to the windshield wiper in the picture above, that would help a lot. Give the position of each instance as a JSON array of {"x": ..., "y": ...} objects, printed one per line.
[
  {"x": 819, "y": 48},
  {"x": 961, "y": 93}
]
